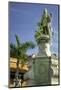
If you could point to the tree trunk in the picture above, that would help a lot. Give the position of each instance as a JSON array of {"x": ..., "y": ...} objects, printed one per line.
[{"x": 17, "y": 74}]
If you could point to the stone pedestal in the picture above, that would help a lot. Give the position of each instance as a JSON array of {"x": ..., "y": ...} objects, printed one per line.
[
  {"x": 44, "y": 46},
  {"x": 42, "y": 63},
  {"x": 42, "y": 67}
]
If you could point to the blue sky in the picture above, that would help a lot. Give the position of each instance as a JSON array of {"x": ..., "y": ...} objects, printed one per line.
[{"x": 23, "y": 19}]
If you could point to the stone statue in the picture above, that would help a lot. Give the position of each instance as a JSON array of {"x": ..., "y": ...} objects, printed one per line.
[
  {"x": 46, "y": 23},
  {"x": 44, "y": 33},
  {"x": 44, "y": 27}
]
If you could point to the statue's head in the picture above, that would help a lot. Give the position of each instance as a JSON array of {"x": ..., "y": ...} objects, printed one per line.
[{"x": 45, "y": 12}]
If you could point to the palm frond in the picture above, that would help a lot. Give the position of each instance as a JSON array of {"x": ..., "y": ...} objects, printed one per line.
[
  {"x": 13, "y": 50},
  {"x": 27, "y": 45},
  {"x": 17, "y": 40},
  {"x": 19, "y": 50}
]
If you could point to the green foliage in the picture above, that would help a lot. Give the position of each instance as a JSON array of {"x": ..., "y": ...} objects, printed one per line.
[
  {"x": 19, "y": 50},
  {"x": 13, "y": 50},
  {"x": 27, "y": 45},
  {"x": 17, "y": 40}
]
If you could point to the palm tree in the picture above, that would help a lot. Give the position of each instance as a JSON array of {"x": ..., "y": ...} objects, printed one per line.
[{"x": 19, "y": 51}]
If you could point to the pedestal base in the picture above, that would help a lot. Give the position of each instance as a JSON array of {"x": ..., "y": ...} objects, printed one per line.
[{"x": 42, "y": 74}]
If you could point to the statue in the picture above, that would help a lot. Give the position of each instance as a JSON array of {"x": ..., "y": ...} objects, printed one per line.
[
  {"x": 44, "y": 34},
  {"x": 44, "y": 27},
  {"x": 42, "y": 61}
]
